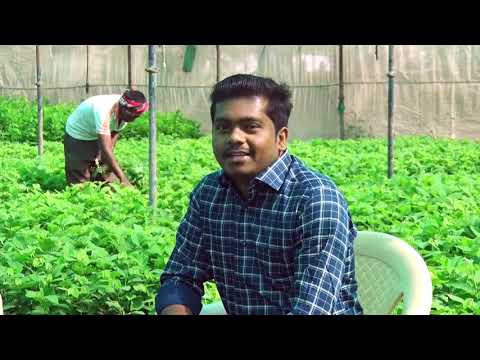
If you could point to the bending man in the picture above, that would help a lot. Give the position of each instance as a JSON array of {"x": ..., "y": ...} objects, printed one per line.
[{"x": 91, "y": 133}]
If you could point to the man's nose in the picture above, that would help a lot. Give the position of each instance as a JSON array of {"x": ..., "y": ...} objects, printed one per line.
[{"x": 237, "y": 136}]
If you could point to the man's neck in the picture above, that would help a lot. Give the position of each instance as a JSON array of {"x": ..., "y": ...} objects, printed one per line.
[{"x": 242, "y": 185}]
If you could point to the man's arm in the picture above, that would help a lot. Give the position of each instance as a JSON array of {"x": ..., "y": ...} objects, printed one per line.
[
  {"x": 106, "y": 150},
  {"x": 188, "y": 267},
  {"x": 176, "y": 310},
  {"x": 115, "y": 136},
  {"x": 321, "y": 252}
]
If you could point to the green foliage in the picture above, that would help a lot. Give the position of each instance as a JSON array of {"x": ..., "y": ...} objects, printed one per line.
[
  {"x": 89, "y": 250},
  {"x": 174, "y": 124},
  {"x": 18, "y": 122}
]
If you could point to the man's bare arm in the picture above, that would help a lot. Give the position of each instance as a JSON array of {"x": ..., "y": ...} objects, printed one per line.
[
  {"x": 115, "y": 136},
  {"x": 176, "y": 310},
  {"x": 106, "y": 149}
]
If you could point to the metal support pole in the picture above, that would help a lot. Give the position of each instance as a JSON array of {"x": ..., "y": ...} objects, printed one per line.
[
  {"x": 87, "y": 85},
  {"x": 341, "y": 97},
  {"x": 39, "y": 102},
  {"x": 152, "y": 98},
  {"x": 391, "y": 98},
  {"x": 217, "y": 47},
  {"x": 130, "y": 67},
  {"x": 164, "y": 59}
]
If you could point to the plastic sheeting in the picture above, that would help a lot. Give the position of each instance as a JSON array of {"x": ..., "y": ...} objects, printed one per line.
[
  {"x": 436, "y": 87},
  {"x": 435, "y": 90}
]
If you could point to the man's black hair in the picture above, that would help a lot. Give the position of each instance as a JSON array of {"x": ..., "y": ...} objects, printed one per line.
[
  {"x": 243, "y": 85},
  {"x": 135, "y": 95}
]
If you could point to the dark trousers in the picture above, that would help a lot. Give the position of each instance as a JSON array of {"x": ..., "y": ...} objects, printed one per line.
[{"x": 80, "y": 164}]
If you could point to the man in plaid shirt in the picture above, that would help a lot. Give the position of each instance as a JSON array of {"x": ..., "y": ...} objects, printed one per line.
[{"x": 275, "y": 236}]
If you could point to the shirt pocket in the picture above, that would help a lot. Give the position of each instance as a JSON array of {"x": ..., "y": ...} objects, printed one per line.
[{"x": 274, "y": 253}]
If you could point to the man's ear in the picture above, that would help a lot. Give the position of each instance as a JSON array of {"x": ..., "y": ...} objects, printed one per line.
[{"x": 282, "y": 138}]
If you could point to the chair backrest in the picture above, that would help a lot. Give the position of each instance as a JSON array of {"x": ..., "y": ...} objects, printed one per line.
[
  {"x": 1, "y": 305},
  {"x": 387, "y": 270}
]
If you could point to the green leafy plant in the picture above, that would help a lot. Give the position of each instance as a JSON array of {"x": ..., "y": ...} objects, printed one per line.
[
  {"x": 174, "y": 124},
  {"x": 90, "y": 250},
  {"x": 18, "y": 122}
]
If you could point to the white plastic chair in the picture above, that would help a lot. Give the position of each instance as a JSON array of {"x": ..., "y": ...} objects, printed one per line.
[
  {"x": 388, "y": 270},
  {"x": 1, "y": 305}
]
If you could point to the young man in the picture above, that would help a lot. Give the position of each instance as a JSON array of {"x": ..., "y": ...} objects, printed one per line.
[
  {"x": 91, "y": 134},
  {"x": 276, "y": 237}
]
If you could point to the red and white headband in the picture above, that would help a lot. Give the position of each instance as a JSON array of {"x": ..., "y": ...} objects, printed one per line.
[{"x": 132, "y": 105}]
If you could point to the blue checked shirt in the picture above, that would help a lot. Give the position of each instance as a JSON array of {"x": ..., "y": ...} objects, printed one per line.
[{"x": 287, "y": 249}]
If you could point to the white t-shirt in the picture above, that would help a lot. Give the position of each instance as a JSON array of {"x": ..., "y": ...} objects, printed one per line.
[{"x": 92, "y": 117}]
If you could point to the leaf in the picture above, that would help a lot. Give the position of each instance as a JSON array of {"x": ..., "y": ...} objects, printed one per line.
[
  {"x": 463, "y": 286},
  {"x": 141, "y": 288},
  {"x": 476, "y": 277},
  {"x": 137, "y": 312},
  {"x": 47, "y": 244},
  {"x": 52, "y": 299},
  {"x": 456, "y": 298},
  {"x": 116, "y": 306},
  {"x": 33, "y": 294},
  {"x": 39, "y": 310}
]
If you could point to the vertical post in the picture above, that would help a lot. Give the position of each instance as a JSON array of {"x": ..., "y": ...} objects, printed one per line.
[
  {"x": 152, "y": 85},
  {"x": 39, "y": 102},
  {"x": 391, "y": 75},
  {"x": 217, "y": 47},
  {"x": 130, "y": 67},
  {"x": 87, "y": 85},
  {"x": 341, "y": 98},
  {"x": 164, "y": 59}
]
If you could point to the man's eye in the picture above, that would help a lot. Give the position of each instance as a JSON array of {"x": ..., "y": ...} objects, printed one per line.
[
  {"x": 221, "y": 127},
  {"x": 252, "y": 126}
]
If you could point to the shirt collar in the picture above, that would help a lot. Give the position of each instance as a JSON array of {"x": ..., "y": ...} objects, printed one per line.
[{"x": 273, "y": 176}]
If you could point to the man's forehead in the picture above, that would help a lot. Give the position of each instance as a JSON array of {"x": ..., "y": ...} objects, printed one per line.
[{"x": 241, "y": 105}]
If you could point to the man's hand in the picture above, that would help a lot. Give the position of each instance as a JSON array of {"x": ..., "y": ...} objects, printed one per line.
[
  {"x": 176, "y": 310},
  {"x": 126, "y": 182},
  {"x": 109, "y": 159}
]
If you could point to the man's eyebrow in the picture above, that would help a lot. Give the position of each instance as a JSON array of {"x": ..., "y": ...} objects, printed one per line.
[
  {"x": 249, "y": 119},
  {"x": 243, "y": 119},
  {"x": 221, "y": 119}
]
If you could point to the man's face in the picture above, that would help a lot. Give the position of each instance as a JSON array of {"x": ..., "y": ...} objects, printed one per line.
[
  {"x": 126, "y": 115},
  {"x": 243, "y": 137}
]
